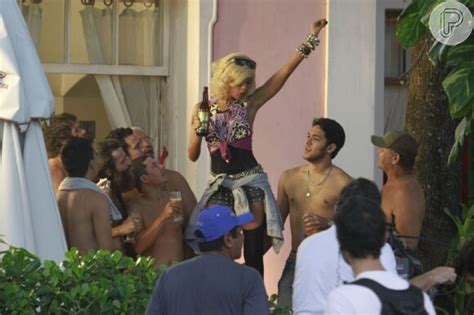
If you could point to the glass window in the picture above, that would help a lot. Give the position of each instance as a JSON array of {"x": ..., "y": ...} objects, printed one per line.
[{"x": 89, "y": 36}]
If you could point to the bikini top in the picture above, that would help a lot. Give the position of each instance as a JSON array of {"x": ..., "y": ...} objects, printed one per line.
[{"x": 228, "y": 128}]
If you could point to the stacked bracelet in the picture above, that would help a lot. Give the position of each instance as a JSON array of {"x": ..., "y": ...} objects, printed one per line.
[
  {"x": 312, "y": 41},
  {"x": 303, "y": 50},
  {"x": 308, "y": 45}
]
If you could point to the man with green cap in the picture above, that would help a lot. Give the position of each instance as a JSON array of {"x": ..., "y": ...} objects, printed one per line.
[{"x": 403, "y": 200}]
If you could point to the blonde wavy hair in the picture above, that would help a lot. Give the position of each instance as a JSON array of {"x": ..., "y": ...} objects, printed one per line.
[{"x": 227, "y": 74}]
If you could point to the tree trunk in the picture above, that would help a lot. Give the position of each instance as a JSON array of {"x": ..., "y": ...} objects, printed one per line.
[{"x": 427, "y": 119}]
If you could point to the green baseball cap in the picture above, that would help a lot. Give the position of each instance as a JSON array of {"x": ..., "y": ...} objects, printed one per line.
[{"x": 397, "y": 141}]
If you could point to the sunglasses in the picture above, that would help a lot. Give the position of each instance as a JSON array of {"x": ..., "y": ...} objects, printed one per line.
[{"x": 244, "y": 62}]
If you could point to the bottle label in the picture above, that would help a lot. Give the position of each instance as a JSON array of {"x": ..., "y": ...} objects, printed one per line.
[{"x": 203, "y": 117}]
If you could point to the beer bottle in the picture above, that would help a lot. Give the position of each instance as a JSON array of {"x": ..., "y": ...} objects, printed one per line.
[{"x": 203, "y": 114}]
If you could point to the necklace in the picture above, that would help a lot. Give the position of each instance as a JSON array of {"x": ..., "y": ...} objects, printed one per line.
[{"x": 320, "y": 183}]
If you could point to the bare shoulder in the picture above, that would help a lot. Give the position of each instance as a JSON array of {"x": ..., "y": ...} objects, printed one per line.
[
  {"x": 175, "y": 177},
  {"x": 407, "y": 188},
  {"x": 292, "y": 173},
  {"x": 95, "y": 201},
  {"x": 340, "y": 177}
]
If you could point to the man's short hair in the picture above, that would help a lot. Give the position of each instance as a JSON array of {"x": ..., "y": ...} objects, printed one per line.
[
  {"x": 58, "y": 132},
  {"x": 333, "y": 132},
  {"x": 138, "y": 170},
  {"x": 215, "y": 245},
  {"x": 76, "y": 156},
  {"x": 105, "y": 150},
  {"x": 120, "y": 134},
  {"x": 360, "y": 187},
  {"x": 360, "y": 227}
]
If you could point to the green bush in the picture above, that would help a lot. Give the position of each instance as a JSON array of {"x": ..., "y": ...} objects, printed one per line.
[{"x": 100, "y": 282}]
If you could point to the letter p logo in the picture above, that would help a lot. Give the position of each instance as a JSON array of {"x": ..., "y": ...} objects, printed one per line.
[
  {"x": 450, "y": 23},
  {"x": 450, "y": 19}
]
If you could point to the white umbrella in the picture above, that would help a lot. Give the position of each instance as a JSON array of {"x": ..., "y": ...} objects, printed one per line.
[{"x": 29, "y": 215}]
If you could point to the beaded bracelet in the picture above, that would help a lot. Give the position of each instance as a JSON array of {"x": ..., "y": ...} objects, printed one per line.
[
  {"x": 303, "y": 50},
  {"x": 308, "y": 45},
  {"x": 312, "y": 41}
]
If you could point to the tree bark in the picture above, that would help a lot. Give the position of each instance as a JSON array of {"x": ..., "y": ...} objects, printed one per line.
[{"x": 427, "y": 119}]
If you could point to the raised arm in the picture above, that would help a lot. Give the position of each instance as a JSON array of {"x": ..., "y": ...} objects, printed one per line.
[
  {"x": 277, "y": 80},
  {"x": 179, "y": 183},
  {"x": 194, "y": 146},
  {"x": 146, "y": 238}
]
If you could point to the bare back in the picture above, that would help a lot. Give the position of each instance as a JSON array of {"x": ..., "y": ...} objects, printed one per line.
[
  {"x": 404, "y": 200},
  {"x": 167, "y": 242},
  {"x": 56, "y": 169},
  {"x": 86, "y": 220},
  {"x": 296, "y": 197}
]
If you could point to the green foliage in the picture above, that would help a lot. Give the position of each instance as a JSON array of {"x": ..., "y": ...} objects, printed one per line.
[
  {"x": 465, "y": 231},
  {"x": 457, "y": 60},
  {"x": 410, "y": 29},
  {"x": 100, "y": 282}
]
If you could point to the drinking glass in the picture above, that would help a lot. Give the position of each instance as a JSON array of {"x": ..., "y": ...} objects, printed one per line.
[{"x": 175, "y": 196}]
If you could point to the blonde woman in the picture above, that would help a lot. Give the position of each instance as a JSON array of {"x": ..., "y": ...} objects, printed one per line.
[{"x": 237, "y": 180}]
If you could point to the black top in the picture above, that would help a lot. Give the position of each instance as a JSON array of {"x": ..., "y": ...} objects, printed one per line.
[{"x": 241, "y": 160}]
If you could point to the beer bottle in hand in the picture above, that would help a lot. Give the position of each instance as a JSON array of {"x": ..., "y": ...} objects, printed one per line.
[{"x": 203, "y": 114}]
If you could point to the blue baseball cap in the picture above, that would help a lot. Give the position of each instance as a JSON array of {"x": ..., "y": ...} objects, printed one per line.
[{"x": 215, "y": 221}]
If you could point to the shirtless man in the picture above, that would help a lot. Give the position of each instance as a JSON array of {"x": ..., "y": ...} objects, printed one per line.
[
  {"x": 116, "y": 170},
  {"x": 133, "y": 144},
  {"x": 84, "y": 208},
  {"x": 308, "y": 193},
  {"x": 62, "y": 128},
  {"x": 175, "y": 181},
  {"x": 147, "y": 145},
  {"x": 163, "y": 220},
  {"x": 403, "y": 200}
]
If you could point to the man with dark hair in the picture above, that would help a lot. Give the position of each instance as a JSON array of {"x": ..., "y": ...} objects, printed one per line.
[
  {"x": 403, "y": 200},
  {"x": 163, "y": 219},
  {"x": 116, "y": 170},
  {"x": 85, "y": 209},
  {"x": 132, "y": 144},
  {"x": 212, "y": 283},
  {"x": 175, "y": 181},
  {"x": 316, "y": 276},
  {"x": 361, "y": 230},
  {"x": 308, "y": 193},
  {"x": 61, "y": 128}
]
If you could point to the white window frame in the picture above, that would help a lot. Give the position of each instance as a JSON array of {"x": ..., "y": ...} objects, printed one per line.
[{"x": 115, "y": 68}]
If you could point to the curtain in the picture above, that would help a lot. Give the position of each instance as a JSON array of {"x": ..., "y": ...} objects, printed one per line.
[
  {"x": 396, "y": 98},
  {"x": 129, "y": 100},
  {"x": 33, "y": 15}
]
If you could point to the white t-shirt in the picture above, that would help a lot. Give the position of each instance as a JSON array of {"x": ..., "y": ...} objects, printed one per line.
[
  {"x": 356, "y": 299},
  {"x": 320, "y": 268}
]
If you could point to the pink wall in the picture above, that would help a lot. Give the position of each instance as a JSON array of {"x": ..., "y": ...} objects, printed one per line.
[{"x": 269, "y": 31}]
